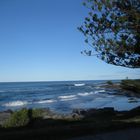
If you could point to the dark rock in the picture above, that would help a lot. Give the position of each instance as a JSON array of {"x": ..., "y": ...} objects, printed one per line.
[
  {"x": 134, "y": 112},
  {"x": 76, "y": 116},
  {"x": 79, "y": 111},
  {"x": 131, "y": 85},
  {"x": 108, "y": 111},
  {"x": 4, "y": 116}
]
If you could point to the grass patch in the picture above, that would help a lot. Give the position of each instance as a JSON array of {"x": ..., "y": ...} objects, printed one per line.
[
  {"x": 133, "y": 85},
  {"x": 18, "y": 119},
  {"x": 37, "y": 113}
]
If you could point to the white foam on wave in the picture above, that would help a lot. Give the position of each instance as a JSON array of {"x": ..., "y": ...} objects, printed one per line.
[
  {"x": 85, "y": 94},
  {"x": 99, "y": 91},
  {"x": 46, "y": 101},
  {"x": 15, "y": 103},
  {"x": 79, "y": 85},
  {"x": 67, "y": 97}
]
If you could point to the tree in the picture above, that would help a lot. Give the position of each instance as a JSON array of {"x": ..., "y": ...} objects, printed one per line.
[{"x": 112, "y": 29}]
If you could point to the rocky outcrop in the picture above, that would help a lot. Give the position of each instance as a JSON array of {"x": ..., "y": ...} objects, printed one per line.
[
  {"x": 107, "y": 111},
  {"x": 5, "y": 116}
]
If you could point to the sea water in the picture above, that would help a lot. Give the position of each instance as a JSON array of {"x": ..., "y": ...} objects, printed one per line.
[{"x": 63, "y": 96}]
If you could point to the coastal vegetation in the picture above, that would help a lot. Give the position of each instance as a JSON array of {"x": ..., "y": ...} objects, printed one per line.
[
  {"x": 60, "y": 126},
  {"x": 23, "y": 117},
  {"x": 17, "y": 119},
  {"x": 132, "y": 85}
]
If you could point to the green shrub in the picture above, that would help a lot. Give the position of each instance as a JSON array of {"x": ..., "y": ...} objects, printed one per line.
[
  {"x": 133, "y": 85},
  {"x": 37, "y": 113},
  {"x": 17, "y": 119}
]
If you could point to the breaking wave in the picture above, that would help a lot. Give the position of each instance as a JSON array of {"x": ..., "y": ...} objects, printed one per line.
[
  {"x": 46, "y": 101},
  {"x": 15, "y": 103},
  {"x": 67, "y": 98},
  {"x": 85, "y": 94},
  {"x": 79, "y": 85},
  {"x": 99, "y": 91}
]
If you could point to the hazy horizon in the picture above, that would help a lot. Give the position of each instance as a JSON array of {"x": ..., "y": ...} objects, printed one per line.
[{"x": 66, "y": 80}]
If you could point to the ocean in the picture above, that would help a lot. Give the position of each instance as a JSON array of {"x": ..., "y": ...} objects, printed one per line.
[{"x": 63, "y": 96}]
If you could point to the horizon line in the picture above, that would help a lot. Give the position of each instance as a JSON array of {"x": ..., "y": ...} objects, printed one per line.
[{"x": 60, "y": 80}]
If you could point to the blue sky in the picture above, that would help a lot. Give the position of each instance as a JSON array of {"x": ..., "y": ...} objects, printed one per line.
[{"x": 39, "y": 41}]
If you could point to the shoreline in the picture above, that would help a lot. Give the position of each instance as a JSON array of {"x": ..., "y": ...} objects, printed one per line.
[{"x": 44, "y": 123}]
